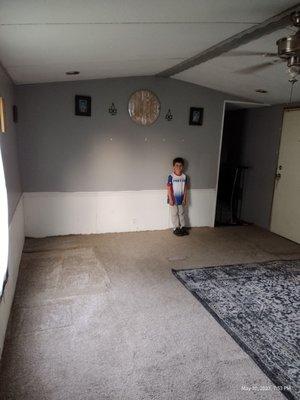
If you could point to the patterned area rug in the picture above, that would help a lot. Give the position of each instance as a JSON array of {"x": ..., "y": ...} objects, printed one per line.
[{"x": 258, "y": 305}]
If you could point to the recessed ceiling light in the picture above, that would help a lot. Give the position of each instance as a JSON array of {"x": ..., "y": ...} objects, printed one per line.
[
  {"x": 261, "y": 91},
  {"x": 72, "y": 73}
]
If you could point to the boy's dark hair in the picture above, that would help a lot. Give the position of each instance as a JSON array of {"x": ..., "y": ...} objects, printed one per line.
[{"x": 178, "y": 160}]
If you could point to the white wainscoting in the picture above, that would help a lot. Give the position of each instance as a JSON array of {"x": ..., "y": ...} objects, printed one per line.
[
  {"x": 16, "y": 243},
  {"x": 63, "y": 213}
]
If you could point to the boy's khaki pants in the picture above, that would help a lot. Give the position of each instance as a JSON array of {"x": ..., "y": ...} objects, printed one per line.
[{"x": 177, "y": 216}]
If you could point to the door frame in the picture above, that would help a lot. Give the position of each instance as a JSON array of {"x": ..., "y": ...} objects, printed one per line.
[{"x": 250, "y": 104}]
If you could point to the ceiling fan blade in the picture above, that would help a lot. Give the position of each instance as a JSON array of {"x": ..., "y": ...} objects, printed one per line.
[
  {"x": 239, "y": 53},
  {"x": 258, "y": 67},
  {"x": 271, "y": 55}
]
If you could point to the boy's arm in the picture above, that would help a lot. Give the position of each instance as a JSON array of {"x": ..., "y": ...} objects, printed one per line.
[
  {"x": 170, "y": 191},
  {"x": 185, "y": 195},
  {"x": 170, "y": 195}
]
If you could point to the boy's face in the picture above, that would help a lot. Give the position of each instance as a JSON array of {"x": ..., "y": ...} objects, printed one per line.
[{"x": 178, "y": 168}]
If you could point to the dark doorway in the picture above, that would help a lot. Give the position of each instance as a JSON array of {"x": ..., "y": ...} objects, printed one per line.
[{"x": 232, "y": 169}]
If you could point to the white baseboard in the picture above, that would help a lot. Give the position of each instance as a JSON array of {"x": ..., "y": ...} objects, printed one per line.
[
  {"x": 16, "y": 243},
  {"x": 63, "y": 213}
]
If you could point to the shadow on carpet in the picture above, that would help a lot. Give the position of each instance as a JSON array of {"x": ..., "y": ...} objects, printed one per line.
[{"x": 258, "y": 305}]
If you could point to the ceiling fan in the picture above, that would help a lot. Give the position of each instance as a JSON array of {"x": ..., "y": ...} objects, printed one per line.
[{"x": 288, "y": 50}]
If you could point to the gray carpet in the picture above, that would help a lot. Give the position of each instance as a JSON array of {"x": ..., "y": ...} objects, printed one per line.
[
  {"x": 101, "y": 317},
  {"x": 258, "y": 305}
]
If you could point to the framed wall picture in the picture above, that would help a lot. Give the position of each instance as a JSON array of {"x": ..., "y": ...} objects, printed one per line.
[
  {"x": 83, "y": 105},
  {"x": 196, "y": 116},
  {"x": 2, "y": 115}
]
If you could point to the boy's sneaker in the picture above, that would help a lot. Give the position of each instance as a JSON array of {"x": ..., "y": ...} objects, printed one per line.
[
  {"x": 184, "y": 231},
  {"x": 177, "y": 232}
]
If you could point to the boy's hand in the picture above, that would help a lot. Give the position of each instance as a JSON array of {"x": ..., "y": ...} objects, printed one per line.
[{"x": 171, "y": 202}]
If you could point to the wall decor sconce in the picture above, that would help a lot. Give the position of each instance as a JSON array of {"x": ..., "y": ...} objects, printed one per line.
[
  {"x": 2, "y": 115},
  {"x": 169, "y": 115},
  {"x": 112, "y": 109}
]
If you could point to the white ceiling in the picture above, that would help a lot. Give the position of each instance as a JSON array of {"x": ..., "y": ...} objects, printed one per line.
[
  {"x": 225, "y": 73},
  {"x": 40, "y": 40}
]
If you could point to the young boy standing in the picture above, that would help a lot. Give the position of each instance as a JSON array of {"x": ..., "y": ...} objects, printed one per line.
[{"x": 177, "y": 196}]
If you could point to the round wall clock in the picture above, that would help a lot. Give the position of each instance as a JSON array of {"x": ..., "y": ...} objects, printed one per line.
[{"x": 144, "y": 107}]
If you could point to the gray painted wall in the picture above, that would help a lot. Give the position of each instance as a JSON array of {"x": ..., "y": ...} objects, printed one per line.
[
  {"x": 8, "y": 143},
  {"x": 261, "y": 139},
  {"x": 63, "y": 152}
]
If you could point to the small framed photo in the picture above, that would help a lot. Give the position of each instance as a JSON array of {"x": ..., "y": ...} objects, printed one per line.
[
  {"x": 196, "y": 116},
  {"x": 2, "y": 115},
  {"x": 83, "y": 105}
]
